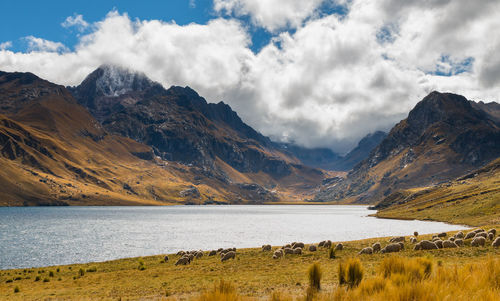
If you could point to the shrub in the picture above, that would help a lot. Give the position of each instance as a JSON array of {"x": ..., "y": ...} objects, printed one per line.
[
  {"x": 314, "y": 273},
  {"x": 222, "y": 290},
  {"x": 341, "y": 274},
  {"x": 402, "y": 270},
  {"x": 354, "y": 272},
  {"x": 8, "y": 281},
  {"x": 51, "y": 274},
  {"x": 81, "y": 272},
  {"x": 16, "y": 289},
  {"x": 331, "y": 253},
  {"x": 141, "y": 266},
  {"x": 91, "y": 270},
  {"x": 58, "y": 270},
  {"x": 37, "y": 278},
  {"x": 46, "y": 280},
  {"x": 18, "y": 278}
]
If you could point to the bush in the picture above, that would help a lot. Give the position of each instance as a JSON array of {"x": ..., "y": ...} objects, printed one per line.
[
  {"x": 331, "y": 253},
  {"x": 58, "y": 270},
  {"x": 341, "y": 274},
  {"x": 51, "y": 274},
  {"x": 354, "y": 272},
  {"x": 221, "y": 291},
  {"x": 314, "y": 273},
  {"x": 91, "y": 270},
  {"x": 403, "y": 270},
  {"x": 46, "y": 280},
  {"x": 81, "y": 272},
  {"x": 141, "y": 266},
  {"x": 8, "y": 281},
  {"x": 16, "y": 289},
  {"x": 37, "y": 278}
]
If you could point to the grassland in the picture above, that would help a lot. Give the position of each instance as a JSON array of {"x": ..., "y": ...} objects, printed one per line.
[{"x": 253, "y": 274}]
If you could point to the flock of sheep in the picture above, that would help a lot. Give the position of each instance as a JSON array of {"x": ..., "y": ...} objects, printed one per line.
[{"x": 478, "y": 238}]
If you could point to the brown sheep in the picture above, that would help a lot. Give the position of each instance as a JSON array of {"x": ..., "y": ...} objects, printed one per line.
[
  {"x": 482, "y": 234},
  {"x": 297, "y": 251},
  {"x": 298, "y": 245},
  {"x": 376, "y": 247},
  {"x": 212, "y": 253},
  {"x": 491, "y": 236},
  {"x": 266, "y": 248},
  {"x": 328, "y": 244},
  {"x": 321, "y": 243},
  {"x": 339, "y": 247},
  {"x": 449, "y": 244},
  {"x": 397, "y": 239},
  {"x": 494, "y": 231},
  {"x": 470, "y": 235},
  {"x": 478, "y": 241},
  {"x": 442, "y": 234},
  {"x": 427, "y": 245},
  {"x": 228, "y": 255},
  {"x": 278, "y": 253},
  {"x": 459, "y": 235},
  {"x": 439, "y": 243},
  {"x": 312, "y": 248},
  {"x": 496, "y": 243},
  {"x": 394, "y": 247},
  {"x": 165, "y": 258},
  {"x": 367, "y": 250},
  {"x": 459, "y": 242},
  {"x": 183, "y": 260}
]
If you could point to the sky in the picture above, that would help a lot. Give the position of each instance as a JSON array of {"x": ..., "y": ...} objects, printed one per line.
[{"x": 320, "y": 73}]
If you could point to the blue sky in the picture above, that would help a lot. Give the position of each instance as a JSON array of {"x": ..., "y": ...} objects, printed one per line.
[{"x": 318, "y": 72}]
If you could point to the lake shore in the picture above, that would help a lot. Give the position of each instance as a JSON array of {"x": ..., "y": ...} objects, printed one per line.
[{"x": 254, "y": 273}]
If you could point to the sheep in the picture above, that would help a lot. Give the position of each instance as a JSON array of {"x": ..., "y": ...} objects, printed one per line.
[
  {"x": 298, "y": 245},
  {"x": 427, "y": 245},
  {"x": 181, "y": 253},
  {"x": 278, "y": 253},
  {"x": 266, "y": 248},
  {"x": 183, "y": 260},
  {"x": 191, "y": 257},
  {"x": 482, "y": 234},
  {"x": 439, "y": 243},
  {"x": 287, "y": 246},
  {"x": 199, "y": 254},
  {"x": 233, "y": 249},
  {"x": 491, "y": 236},
  {"x": 328, "y": 244},
  {"x": 219, "y": 250},
  {"x": 165, "y": 258},
  {"x": 297, "y": 251},
  {"x": 212, "y": 253},
  {"x": 478, "y": 230},
  {"x": 397, "y": 239},
  {"x": 376, "y": 247},
  {"x": 494, "y": 231},
  {"x": 470, "y": 235},
  {"x": 449, "y": 244},
  {"x": 478, "y": 241},
  {"x": 496, "y": 243},
  {"x": 459, "y": 235},
  {"x": 321, "y": 243},
  {"x": 288, "y": 250},
  {"x": 415, "y": 234},
  {"x": 413, "y": 240},
  {"x": 339, "y": 247},
  {"x": 459, "y": 242},
  {"x": 436, "y": 239},
  {"x": 452, "y": 238},
  {"x": 228, "y": 255},
  {"x": 442, "y": 234},
  {"x": 394, "y": 247},
  {"x": 402, "y": 245},
  {"x": 417, "y": 247},
  {"x": 367, "y": 250},
  {"x": 312, "y": 248}
]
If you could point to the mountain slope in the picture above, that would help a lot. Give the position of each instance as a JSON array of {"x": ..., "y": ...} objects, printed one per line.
[
  {"x": 443, "y": 137},
  {"x": 473, "y": 199}
]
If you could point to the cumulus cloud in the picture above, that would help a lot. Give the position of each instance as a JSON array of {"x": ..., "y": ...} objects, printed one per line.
[
  {"x": 76, "y": 21},
  {"x": 329, "y": 83},
  {"x": 41, "y": 45},
  {"x": 270, "y": 14},
  {"x": 5, "y": 45}
]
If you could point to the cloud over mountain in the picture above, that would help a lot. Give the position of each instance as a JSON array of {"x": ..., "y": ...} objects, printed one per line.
[{"x": 328, "y": 82}]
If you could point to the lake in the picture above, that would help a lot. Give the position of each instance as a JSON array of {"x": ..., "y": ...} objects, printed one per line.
[{"x": 45, "y": 236}]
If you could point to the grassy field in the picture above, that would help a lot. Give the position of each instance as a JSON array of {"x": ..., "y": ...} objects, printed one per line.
[{"x": 253, "y": 274}]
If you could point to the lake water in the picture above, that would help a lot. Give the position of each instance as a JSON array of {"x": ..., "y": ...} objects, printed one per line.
[{"x": 44, "y": 236}]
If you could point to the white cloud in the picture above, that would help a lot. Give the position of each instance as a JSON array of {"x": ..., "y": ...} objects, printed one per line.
[
  {"x": 270, "y": 14},
  {"x": 328, "y": 84},
  {"x": 192, "y": 3},
  {"x": 42, "y": 45},
  {"x": 5, "y": 45},
  {"x": 76, "y": 21}
]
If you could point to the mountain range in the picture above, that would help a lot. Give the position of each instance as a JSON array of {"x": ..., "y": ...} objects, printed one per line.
[{"x": 120, "y": 138}]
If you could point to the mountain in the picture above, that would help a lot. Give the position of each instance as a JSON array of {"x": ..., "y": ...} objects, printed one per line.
[
  {"x": 54, "y": 152},
  {"x": 444, "y": 136},
  {"x": 360, "y": 152}
]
